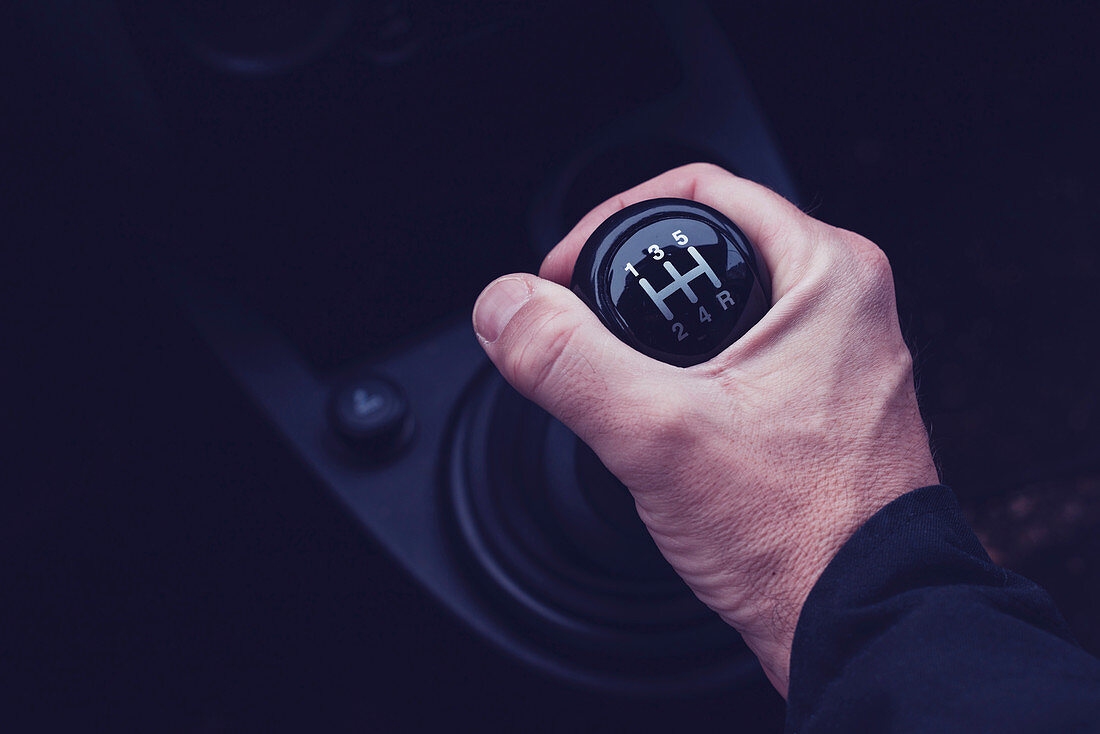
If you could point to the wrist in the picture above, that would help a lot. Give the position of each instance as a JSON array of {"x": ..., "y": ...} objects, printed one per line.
[{"x": 768, "y": 615}]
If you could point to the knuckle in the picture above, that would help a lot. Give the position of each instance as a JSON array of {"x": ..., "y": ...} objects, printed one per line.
[
  {"x": 544, "y": 356},
  {"x": 824, "y": 264},
  {"x": 703, "y": 168},
  {"x": 694, "y": 173},
  {"x": 869, "y": 257},
  {"x": 875, "y": 276},
  {"x": 548, "y": 260},
  {"x": 847, "y": 273},
  {"x": 875, "y": 264},
  {"x": 866, "y": 266}
]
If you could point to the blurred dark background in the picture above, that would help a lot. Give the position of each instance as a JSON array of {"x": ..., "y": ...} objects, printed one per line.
[{"x": 169, "y": 565}]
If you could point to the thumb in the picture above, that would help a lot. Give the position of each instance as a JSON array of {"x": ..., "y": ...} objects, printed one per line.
[{"x": 555, "y": 351}]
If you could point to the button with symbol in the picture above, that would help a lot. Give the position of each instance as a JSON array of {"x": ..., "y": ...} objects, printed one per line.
[
  {"x": 673, "y": 278},
  {"x": 371, "y": 414}
]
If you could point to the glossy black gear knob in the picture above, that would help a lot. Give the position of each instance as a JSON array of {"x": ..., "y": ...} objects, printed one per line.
[{"x": 673, "y": 278}]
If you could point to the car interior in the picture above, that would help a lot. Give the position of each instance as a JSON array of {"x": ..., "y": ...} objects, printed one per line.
[{"x": 236, "y": 224}]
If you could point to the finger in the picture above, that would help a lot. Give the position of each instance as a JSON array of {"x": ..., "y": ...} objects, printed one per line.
[
  {"x": 554, "y": 351},
  {"x": 775, "y": 226}
]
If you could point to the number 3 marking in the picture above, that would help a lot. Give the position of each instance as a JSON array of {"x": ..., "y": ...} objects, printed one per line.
[{"x": 656, "y": 252}]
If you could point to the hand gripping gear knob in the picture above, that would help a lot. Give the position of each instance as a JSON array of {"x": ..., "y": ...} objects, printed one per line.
[{"x": 674, "y": 279}]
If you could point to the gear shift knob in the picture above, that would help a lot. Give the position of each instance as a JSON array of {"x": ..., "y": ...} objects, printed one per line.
[{"x": 674, "y": 279}]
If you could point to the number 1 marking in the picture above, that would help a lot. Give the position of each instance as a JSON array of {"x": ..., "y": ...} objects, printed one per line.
[{"x": 630, "y": 269}]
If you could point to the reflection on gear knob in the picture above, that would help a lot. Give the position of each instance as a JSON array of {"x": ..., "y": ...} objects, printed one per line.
[{"x": 673, "y": 278}]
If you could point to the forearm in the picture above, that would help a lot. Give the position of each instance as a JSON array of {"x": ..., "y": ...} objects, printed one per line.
[{"x": 913, "y": 628}]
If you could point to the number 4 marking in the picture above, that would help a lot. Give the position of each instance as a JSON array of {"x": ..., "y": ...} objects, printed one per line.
[{"x": 704, "y": 315}]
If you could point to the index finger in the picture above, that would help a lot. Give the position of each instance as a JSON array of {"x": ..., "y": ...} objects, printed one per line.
[{"x": 774, "y": 225}]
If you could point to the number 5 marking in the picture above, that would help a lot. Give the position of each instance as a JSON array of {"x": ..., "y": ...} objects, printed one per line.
[{"x": 680, "y": 237}]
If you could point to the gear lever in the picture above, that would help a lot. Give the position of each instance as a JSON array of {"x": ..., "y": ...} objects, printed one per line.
[{"x": 674, "y": 279}]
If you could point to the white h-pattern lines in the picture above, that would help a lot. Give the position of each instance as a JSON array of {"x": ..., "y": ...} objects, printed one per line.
[{"x": 680, "y": 283}]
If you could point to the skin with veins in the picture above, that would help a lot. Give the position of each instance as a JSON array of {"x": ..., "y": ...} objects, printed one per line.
[{"x": 752, "y": 469}]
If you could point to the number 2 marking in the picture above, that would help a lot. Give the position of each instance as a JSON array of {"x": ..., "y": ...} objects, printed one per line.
[{"x": 678, "y": 330}]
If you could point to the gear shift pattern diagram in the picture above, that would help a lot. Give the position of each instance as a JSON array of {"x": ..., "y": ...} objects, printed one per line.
[{"x": 675, "y": 279}]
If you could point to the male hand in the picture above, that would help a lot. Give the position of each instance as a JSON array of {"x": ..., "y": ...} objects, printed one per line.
[{"x": 752, "y": 469}]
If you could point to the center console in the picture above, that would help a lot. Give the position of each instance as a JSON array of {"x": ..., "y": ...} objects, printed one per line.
[{"x": 355, "y": 226}]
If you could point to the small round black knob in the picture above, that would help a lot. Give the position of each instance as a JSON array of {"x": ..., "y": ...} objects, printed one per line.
[
  {"x": 372, "y": 415},
  {"x": 673, "y": 278}
]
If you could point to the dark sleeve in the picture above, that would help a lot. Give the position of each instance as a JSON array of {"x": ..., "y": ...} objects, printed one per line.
[{"x": 912, "y": 628}]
